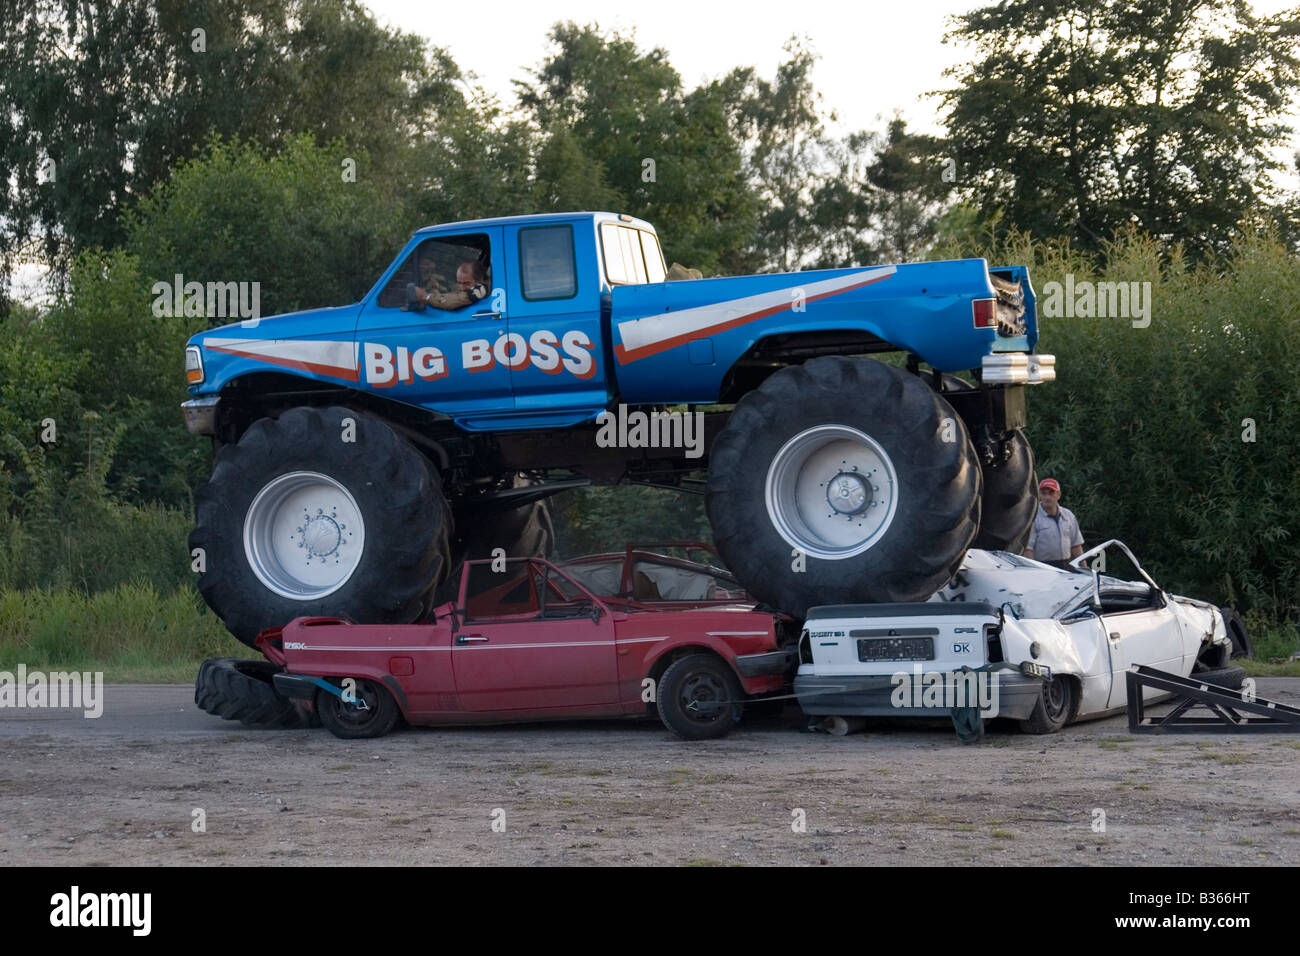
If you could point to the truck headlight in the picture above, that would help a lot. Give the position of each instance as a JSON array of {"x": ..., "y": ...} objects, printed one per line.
[{"x": 193, "y": 365}]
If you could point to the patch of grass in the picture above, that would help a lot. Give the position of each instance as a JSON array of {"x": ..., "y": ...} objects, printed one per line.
[
  {"x": 1278, "y": 642},
  {"x": 703, "y": 861},
  {"x": 597, "y": 772},
  {"x": 964, "y": 828},
  {"x": 1262, "y": 668},
  {"x": 401, "y": 820},
  {"x": 1002, "y": 835},
  {"x": 582, "y": 846},
  {"x": 131, "y": 633}
]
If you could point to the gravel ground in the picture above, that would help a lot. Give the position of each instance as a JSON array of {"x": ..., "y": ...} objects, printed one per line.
[{"x": 124, "y": 790}]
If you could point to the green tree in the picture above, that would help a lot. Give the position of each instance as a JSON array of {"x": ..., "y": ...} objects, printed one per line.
[
  {"x": 1080, "y": 117},
  {"x": 667, "y": 154},
  {"x": 115, "y": 94},
  {"x": 788, "y": 159},
  {"x": 291, "y": 222},
  {"x": 886, "y": 201}
]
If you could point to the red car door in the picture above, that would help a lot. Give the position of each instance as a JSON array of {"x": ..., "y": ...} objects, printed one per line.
[{"x": 529, "y": 638}]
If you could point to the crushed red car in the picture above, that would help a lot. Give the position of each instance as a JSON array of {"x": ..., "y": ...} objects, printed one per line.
[{"x": 622, "y": 635}]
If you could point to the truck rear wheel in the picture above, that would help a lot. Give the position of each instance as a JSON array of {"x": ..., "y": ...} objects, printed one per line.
[
  {"x": 843, "y": 480},
  {"x": 1010, "y": 500},
  {"x": 319, "y": 512}
]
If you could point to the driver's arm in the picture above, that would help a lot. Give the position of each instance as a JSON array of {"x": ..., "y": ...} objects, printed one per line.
[
  {"x": 1075, "y": 550},
  {"x": 457, "y": 299}
]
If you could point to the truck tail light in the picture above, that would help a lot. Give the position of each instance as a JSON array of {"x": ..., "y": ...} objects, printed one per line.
[{"x": 986, "y": 313}]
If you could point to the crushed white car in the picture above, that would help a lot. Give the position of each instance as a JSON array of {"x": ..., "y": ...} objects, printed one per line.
[{"x": 1011, "y": 637}]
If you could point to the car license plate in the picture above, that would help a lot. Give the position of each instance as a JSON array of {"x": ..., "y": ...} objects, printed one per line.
[{"x": 896, "y": 649}]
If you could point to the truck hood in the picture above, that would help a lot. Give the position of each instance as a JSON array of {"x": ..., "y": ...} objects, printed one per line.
[{"x": 317, "y": 343}]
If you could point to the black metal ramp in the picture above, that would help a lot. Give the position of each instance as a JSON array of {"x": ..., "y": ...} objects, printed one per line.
[{"x": 1229, "y": 711}]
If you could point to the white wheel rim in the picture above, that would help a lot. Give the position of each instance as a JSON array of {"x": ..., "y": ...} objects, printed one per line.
[
  {"x": 304, "y": 535},
  {"x": 831, "y": 492}
]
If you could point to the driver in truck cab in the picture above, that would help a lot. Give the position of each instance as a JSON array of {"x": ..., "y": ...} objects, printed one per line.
[{"x": 471, "y": 287}]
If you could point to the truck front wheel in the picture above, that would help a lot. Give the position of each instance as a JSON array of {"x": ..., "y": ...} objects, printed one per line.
[
  {"x": 843, "y": 480},
  {"x": 320, "y": 512}
]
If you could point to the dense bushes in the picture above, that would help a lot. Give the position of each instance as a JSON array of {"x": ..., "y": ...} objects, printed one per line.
[{"x": 1178, "y": 438}]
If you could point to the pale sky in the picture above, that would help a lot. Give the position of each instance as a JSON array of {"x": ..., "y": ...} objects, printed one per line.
[{"x": 875, "y": 57}]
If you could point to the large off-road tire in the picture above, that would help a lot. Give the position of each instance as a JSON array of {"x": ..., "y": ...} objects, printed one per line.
[
  {"x": 523, "y": 532},
  {"x": 1010, "y": 499},
  {"x": 843, "y": 480},
  {"x": 320, "y": 512},
  {"x": 236, "y": 689}
]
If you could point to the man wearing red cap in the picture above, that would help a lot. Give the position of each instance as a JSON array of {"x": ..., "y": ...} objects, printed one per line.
[{"x": 1056, "y": 537}]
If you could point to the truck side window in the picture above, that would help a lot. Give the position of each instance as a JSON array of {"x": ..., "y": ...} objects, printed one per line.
[
  {"x": 654, "y": 257},
  {"x": 432, "y": 266},
  {"x": 547, "y": 264},
  {"x": 632, "y": 256},
  {"x": 617, "y": 271},
  {"x": 628, "y": 260}
]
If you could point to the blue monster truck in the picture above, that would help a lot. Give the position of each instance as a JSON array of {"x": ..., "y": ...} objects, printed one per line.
[{"x": 363, "y": 451}]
